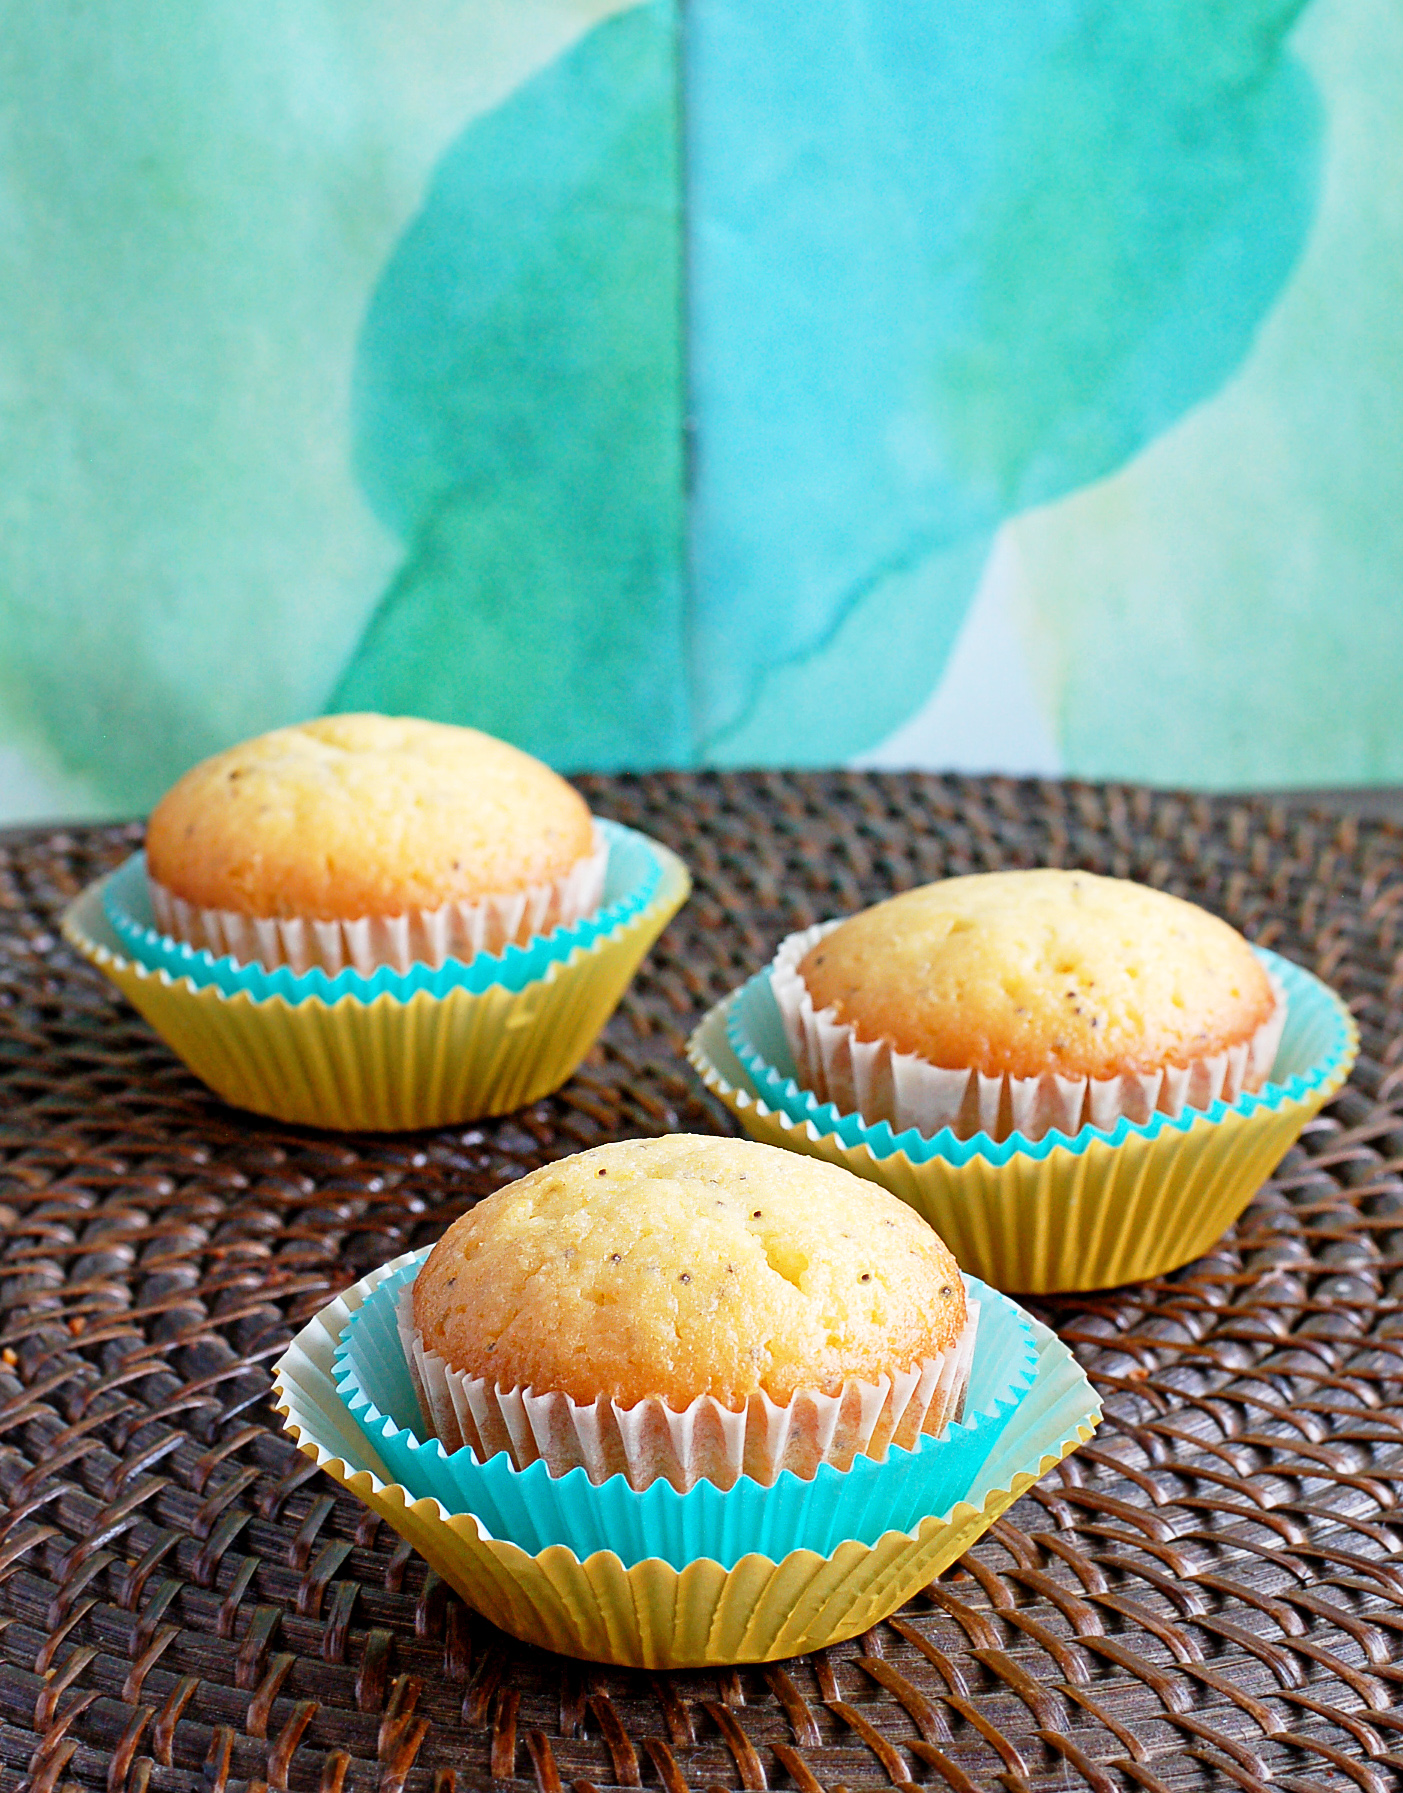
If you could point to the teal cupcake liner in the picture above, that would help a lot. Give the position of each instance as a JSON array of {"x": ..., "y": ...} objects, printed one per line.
[
  {"x": 535, "y": 1510},
  {"x": 631, "y": 882},
  {"x": 1316, "y": 1041}
]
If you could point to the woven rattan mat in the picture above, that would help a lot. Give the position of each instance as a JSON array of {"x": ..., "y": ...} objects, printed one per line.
[{"x": 1208, "y": 1595}]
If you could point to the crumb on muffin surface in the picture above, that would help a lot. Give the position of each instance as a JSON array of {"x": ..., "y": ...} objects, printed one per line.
[
  {"x": 364, "y": 815},
  {"x": 1024, "y": 972},
  {"x": 684, "y": 1266}
]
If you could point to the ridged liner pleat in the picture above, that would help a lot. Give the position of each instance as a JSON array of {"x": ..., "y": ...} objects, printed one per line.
[{"x": 537, "y": 1509}]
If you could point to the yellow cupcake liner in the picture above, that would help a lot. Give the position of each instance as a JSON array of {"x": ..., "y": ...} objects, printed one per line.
[
  {"x": 1091, "y": 1214},
  {"x": 653, "y": 1615},
  {"x": 389, "y": 1064}
]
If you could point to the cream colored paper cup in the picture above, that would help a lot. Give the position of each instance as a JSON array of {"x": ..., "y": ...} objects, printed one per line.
[
  {"x": 388, "y": 1064},
  {"x": 458, "y": 930},
  {"x": 705, "y": 1440},
  {"x": 653, "y": 1615},
  {"x": 873, "y": 1079}
]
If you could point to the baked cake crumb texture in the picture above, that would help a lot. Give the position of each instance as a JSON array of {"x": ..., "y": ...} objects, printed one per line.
[
  {"x": 364, "y": 815},
  {"x": 688, "y": 1266},
  {"x": 1020, "y": 973}
]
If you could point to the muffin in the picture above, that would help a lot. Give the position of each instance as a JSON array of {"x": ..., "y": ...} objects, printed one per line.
[
  {"x": 370, "y": 840},
  {"x": 688, "y": 1307},
  {"x": 1023, "y": 1001},
  {"x": 656, "y": 1579}
]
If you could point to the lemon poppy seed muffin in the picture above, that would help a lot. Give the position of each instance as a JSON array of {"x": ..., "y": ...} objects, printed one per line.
[
  {"x": 363, "y": 815},
  {"x": 1019, "y": 973},
  {"x": 682, "y": 1267}
]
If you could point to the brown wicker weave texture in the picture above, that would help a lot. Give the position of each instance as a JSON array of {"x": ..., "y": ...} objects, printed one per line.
[{"x": 1206, "y": 1596}]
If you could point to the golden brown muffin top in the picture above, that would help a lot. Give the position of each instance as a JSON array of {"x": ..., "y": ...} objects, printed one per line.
[
  {"x": 362, "y": 815},
  {"x": 1020, "y": 973},
  {"x": 688, "y": 1266}
]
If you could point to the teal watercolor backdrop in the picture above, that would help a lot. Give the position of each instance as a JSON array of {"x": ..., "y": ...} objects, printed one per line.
[{"x": 1011, "y": 384}]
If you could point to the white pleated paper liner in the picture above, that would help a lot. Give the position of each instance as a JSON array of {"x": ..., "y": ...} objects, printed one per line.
[
  {"x": 535, "y": 1510},
  {"x": 703, "y": 1441},
  {"x": 460, "y": 928},
  {"x": 631, "y": 881},
  {"x": 872, "y": 1078},
  {"x": 1315, "y": 1042}
]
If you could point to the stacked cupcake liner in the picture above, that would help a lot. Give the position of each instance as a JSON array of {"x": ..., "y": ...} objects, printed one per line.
[
  {"x": 666, "y": 1580},
  {"x": 535, "y": 1508},
  {"x": 632, "y": 878},
  {"x": 1103, "y": 1206},
  {"x": 395, "y": 1050}
]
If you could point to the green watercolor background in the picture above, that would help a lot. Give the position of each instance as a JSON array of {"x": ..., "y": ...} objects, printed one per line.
[
  {"x": 195, "y": 205},
  {"x": 519, "y": 420},
  {"x": 197, "y": 210},
  {"x": 1228, "y": 610}
]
